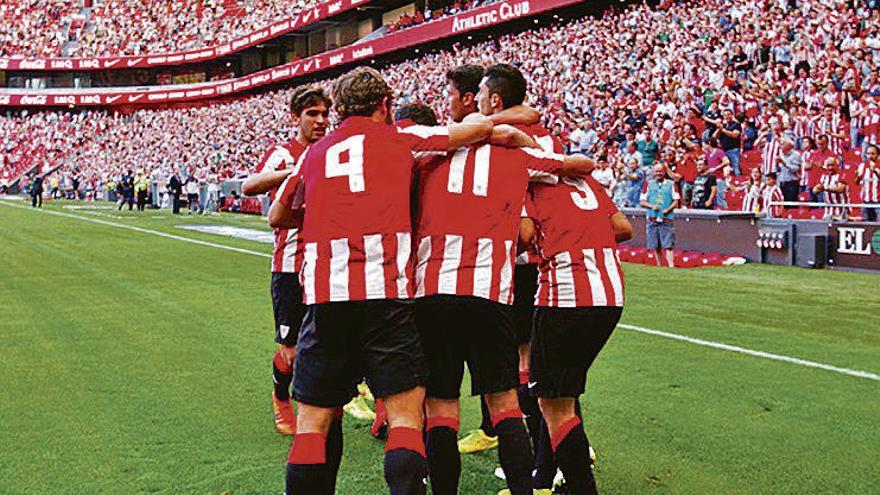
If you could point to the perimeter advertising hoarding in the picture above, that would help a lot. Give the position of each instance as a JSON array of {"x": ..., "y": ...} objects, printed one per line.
[{"x": 856, "y": 245}]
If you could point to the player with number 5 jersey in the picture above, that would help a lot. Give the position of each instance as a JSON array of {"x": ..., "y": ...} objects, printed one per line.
[{"x": 579, "y": 302}]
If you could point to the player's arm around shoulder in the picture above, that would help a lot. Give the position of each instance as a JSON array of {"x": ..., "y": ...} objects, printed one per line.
[
  {"x": 475, "y": 128},
  {"x": 263, "y": 182}
]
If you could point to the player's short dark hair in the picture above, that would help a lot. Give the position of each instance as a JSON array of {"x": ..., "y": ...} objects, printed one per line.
[
  {"x": 466, "y": 78},
  {"x": 508, "y": 82},
  {"x": 307, "y": 96},
  {"x": 359, "y": 92},
  {"x": 876, "y": 148},
  {"x": 417, "y": 112},
  {"x": 771, "y": 175}
]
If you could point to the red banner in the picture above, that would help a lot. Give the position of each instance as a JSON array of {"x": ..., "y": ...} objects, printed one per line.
[
  {"x": 450, "y": 26},
  {"x": 322, "y": 11}
]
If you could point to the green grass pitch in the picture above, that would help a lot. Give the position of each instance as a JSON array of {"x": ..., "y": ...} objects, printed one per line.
[{"x": 133, "y": 363}]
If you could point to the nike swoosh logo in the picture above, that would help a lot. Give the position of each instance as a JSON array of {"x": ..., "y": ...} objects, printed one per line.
[
  {"x": 132, "y": 63},
  {"x": 111, "y": 99},
  {"x": 111, "y": 63},
  {"x": 132, "y": 99},
  {"x": 308, "y": 65},
  {"x": 532, "y": 384}
]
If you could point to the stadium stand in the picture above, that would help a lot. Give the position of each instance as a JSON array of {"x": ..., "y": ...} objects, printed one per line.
[
  {"x": 662, "y": 69},
  {"x": 40, "y": 28},
  {"x": 34, "y": 28}
]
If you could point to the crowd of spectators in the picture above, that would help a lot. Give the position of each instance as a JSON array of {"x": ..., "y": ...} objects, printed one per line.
[
  {"x": 34, "y": 28},
  {"x": 138, "y": 27},
  {"x": 39, "y": 28},
  {"x": 701, "y": 88}
]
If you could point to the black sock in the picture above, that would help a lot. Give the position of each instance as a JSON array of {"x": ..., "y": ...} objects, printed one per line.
[
  {"x": 282, "y": 375},
  {"x": 572, "y": 452},
  {"x": 405, "y": 466},
  {"x": 529, "y": 405},
  {"x": 486, "y": 422},
  {"x": 334, "y": 449},
  {"x": 444, "y": 461},
  {"x": 307, "y": 469},
  {"x": 514, "y": 452},
  {"x": 545, "y": 464}
]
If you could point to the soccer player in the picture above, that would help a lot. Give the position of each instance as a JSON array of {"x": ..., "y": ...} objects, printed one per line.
[
  {"x": 500, "y": 95},
  {"x": 466, "y": 234},
  {"x": 580, "y": 299},
  {"x": 310, "y": 108},
  {"x": 356, "y": 279}
]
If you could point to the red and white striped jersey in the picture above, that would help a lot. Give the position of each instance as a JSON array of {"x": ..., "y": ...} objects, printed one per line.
[
  {"x": 771, "y": 151},
  {"x": 834, "y": 180},
  {"x": 803, "y": 127},
  {"x": 287, "y": 253},
  {"x": 753, "y": 197},
  {"x": 470, "y": 205},
  {"x": 581, "y": 267},
  {"x": 870, "y": 124},
  {"x": 870, "y": 182},
  {"x": 357, "y": 227},
  {"x": 827, "y": 126},
  {"x": 771, "y": 195}
]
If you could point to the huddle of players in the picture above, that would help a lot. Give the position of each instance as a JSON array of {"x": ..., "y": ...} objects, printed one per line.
[{"x": 482, "y": 192}]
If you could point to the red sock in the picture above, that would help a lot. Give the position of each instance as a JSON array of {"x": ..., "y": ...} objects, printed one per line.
[{"x": 405, "y": 438}]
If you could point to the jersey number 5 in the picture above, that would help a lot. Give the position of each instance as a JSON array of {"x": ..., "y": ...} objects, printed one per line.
[
  {"x": 586, "y": 200},
  {"x": 353, "y": 168}
]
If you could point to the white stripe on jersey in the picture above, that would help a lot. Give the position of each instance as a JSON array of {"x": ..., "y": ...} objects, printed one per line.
[
  {"x": 597, "y": 288},
  {"x": 307, "y": 275},
  {"x": 564, "y": 281},
  {"x": 506, "y": 274},
  {"x": 612, "y": 265},
  {"x": 422, "y": 256},
  {"x": 481, "y": 170},
  {"x": 288, "y": 259},
  {"x": 483, "y": 269},
  {"x": 374, "y": 273},
  {"x": 404, "y": 248},
  {"x": 339, "y": 254},
  {"x": 456, "y": 170},
  {"x": 448, "y": 279}
]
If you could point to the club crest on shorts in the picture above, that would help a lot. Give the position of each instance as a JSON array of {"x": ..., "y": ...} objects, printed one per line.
[{"x": 283, "y": 330}]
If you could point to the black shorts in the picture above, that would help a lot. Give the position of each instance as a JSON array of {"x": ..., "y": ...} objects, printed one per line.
[
  {"x": 287, "y": 304},
  {"x": 461, "y": 329},
  {"x": 340, "y": 343},
  {"x": 525, "y": 286},
  {"x": 565, "y": 342}
]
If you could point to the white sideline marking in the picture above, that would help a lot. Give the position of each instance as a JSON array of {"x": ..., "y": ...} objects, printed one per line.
[
  {"x": 649, "y": 331},
  {"x": 751, "y": 352},
  {"x": 142, "y": 230}
]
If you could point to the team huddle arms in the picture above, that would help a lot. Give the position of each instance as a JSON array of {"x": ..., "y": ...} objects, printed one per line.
[{"x": 405, "y": 236}]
